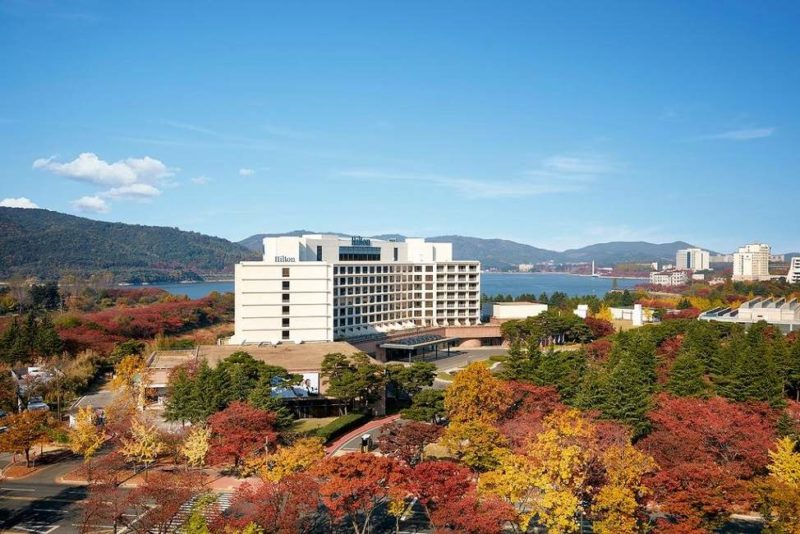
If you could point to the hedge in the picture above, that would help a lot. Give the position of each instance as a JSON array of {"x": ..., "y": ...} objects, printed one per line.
[{"x": 340, "y": 425}]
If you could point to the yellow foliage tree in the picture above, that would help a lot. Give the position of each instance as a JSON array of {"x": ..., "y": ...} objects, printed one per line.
[
  {"x": 779, "y": 493},
  {"x": 130, "y": 377},
  {"x": 604, "y": 313},
  {"x": 86, "y": 437},
  {"x": 476, "y": 395},
  {"x": 514, "y": 481},
  {"x": 195, "y": 446},
  {"x": 476, "y": 443},
  {"x": 299, "y": 456},
  {"x": 619, "y": 503},
  {"x": 562, "y": 453},
  {"x": 144, "y": 444}
]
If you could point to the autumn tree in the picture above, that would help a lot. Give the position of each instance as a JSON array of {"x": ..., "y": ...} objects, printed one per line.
[
  {"x": 619, "y": 506},
  {"x": 158, "y": 500},
  {"x": 239, "y": 430},
  {"x": 289, "y": 459},
  {"x": 129, "y": 374},
  {"x": 86, "y": 437},
  {"x": 144, "y": 444},
  {"x": 779, "y": 492},
  {"x": 106, "y": 503},
  {"x": 24, "y": 431},
  {"x": 196, "y": 445},
  {"x": 476, "y": 443},
  {"x": 515, "y": 482},
  {"x": 476, "y": 395},
  {"x": 287, "y": 506},
  {"x": 407, "y": 441},
  {"x": 705, "y": 459},
  {"x": 447, "y": 493},
  {"x": 354, "y": 486}
]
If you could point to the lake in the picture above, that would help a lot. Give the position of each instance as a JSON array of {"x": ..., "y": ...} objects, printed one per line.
[{"x": 491, "y": 284}]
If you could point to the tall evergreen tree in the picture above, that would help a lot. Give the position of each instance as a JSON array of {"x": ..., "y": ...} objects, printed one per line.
[
  {"x": 686, "y": 376},
  {"x": 181, "y": 403},
  {"x": 627, "y": 395}
]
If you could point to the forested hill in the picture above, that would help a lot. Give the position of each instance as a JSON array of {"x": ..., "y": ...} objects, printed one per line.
[{"x": 48, "y": 244}]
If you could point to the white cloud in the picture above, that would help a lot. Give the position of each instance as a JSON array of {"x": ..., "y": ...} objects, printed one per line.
[
  {"x": 21, "y": 202},
  {"x": 557, "y": 174},
  {"x": 88, "y": 167},
  {"x": 92, "y": 204},
  {"x": 246, "y": 172},
  {"x": 133, "y": 191},
  {"x": 743, "y": 135},
  {"x": 200, "y": 180},
  {"x": 128, "y": 179}
]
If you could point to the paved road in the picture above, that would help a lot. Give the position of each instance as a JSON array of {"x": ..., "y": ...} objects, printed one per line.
[
  {"x": 36, "y": 504},
  {"x": 464, "y": 357}
]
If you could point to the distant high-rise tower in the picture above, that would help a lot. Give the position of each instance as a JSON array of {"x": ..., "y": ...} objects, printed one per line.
[
  {"x": 751, "y": 262},
  {"x": 693, "y": 259}
]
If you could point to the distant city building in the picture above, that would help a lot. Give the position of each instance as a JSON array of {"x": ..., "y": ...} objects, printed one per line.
[
  {"x": 751, "y": 262},
  {"x": 669, "y": 278},
  {"x": 777, "y": 311},
  {"x": 721, "y": 258},
  {"x": 793, "y": 276},
  {"x": 314, "y": 288},
  {"x": 525, "y": 267},
  {"x": 777, "y": 258},
  {"x": 693, "y": 259},
  {"x": 517, "y": 310}
]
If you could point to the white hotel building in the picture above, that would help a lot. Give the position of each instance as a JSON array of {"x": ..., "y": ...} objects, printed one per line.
[
  {"x": 325, "y": 287},
  {"x": 751, "y": 262}
]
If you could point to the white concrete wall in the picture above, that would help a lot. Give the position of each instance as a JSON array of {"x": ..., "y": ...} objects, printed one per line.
[{"x": 517, "y": 310}]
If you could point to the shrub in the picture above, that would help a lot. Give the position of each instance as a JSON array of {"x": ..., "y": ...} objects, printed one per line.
[{"x": 340, "y": 425}]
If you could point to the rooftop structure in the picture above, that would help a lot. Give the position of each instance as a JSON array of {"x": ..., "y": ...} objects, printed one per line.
[
  {"x": 793, "y": 276},
  {"x": 777, "y": 311}
]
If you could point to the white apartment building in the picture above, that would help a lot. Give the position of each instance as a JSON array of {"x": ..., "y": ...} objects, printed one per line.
[
  {"x": 693, "y": 259},
  {"x": 793, "y": 276},
  {"x": 669, "y": 278},
  {"x": 751, "y": 262},
  {"x": 324, "y": 287}
]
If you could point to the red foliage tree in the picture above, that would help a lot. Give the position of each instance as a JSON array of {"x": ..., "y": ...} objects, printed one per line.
[
  {"x": 599, "y": 350},
  {"x": 106, "y": 502},
  {"x": 283, "y": 507},
  {"x": 447, "y": 492},
  {"x": 531, "y": 404},
  {"x": 353, "y": 486},
  {"x": 707, "y": 451},
  {"x": 239, "y": 430},
  {"x": 156, "y": 502},
  {"x": 407, "y": 441},
  {"x": 667, "y": 352},
  {"x": 600, "y": 327}
]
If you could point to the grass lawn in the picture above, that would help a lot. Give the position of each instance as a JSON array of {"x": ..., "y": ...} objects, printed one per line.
[
  {"x": 447, "y": 377},
  {"x": 306, "y": 425}
]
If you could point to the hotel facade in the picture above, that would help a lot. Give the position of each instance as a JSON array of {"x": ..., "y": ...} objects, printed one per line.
[{"x": 316, "y": 287}]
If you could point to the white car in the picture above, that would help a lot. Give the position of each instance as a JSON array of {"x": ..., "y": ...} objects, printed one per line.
[{"x": 37, "y": 406}]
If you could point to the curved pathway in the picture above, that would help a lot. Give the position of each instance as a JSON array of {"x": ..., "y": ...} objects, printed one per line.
[{"x": 366, "y": 427}]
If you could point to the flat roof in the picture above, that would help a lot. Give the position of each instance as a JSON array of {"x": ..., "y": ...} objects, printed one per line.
[
  {"x": 417, "y": 342},
  {"x": 518, "y": 303}
]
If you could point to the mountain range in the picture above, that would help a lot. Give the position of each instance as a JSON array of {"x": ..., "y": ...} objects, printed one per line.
[
  {"x": 47, "y": 244},
  {"x": 505, "y": 254}
]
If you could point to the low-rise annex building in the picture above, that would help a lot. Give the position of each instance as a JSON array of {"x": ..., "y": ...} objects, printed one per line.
[{"x": 776, "y": 311}]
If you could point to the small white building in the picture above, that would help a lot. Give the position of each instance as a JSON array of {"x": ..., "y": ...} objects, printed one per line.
[
  {"x": 516, "y": 310},
  {"x": 669, "y": 278},
  {"x": 776, "y": 311}
]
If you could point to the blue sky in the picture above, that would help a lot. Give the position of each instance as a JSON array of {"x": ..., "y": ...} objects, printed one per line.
[{"x": 557, "y": 124}]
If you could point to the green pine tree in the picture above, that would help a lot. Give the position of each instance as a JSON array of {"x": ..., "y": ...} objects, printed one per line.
[
  {"x": 686, "y": 376},
  {"x": 262, "y": 398},
  {"x": 627, "y": 396}
]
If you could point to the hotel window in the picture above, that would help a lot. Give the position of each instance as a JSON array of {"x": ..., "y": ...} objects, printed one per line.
[
  {"x": 395, "y": 253},
  {"x": 285, "y": 297},
  {"x": 285, "y": 285},
  {"x": 285, "y": 322},
  {"x": 319, "y": 252},
  {"x": 285, "y": 334},
  {"x": 285, "y": 272},
  {"x": 285, "y": 310}
]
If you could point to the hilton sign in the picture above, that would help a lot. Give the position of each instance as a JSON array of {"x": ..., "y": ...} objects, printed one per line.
[{"x": 284, "y": 259}]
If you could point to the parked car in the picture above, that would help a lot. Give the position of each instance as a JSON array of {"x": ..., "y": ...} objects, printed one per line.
[
  {"x": 35, "y": 405},
  {"x": 3, "y": 426}
]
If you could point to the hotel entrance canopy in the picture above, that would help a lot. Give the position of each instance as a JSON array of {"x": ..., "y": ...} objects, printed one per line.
[{"x": 421, "y": 345}]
